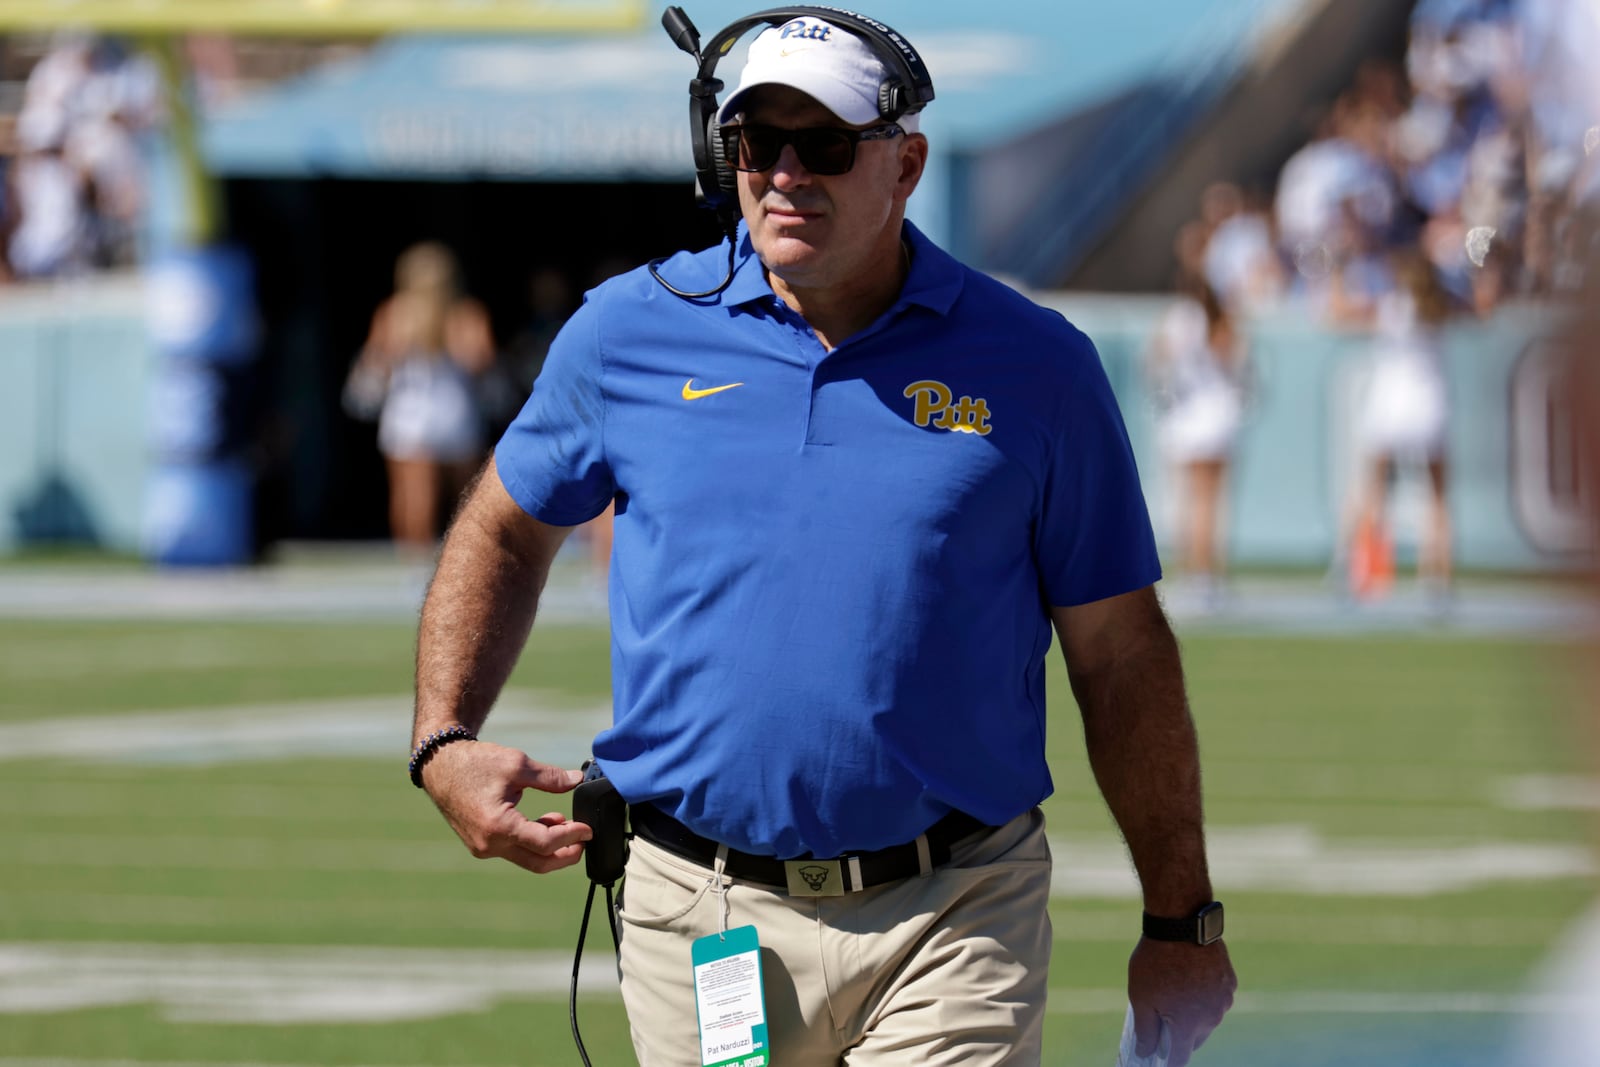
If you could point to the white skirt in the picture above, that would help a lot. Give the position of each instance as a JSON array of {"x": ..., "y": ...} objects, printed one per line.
[
  {"x": 1406, "y": 410},
  {"x": 1203, "y": 425},
  {"x": 430, "y": 413}
]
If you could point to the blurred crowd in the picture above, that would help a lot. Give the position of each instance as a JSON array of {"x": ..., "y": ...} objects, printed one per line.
[
  {"x": 1476, "y": 153},
  {"x": 76, "y": 143},
  {"x": 74, "y": 176}
]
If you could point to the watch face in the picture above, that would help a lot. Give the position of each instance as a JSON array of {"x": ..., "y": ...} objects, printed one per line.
[{"x": 1209, "y": 921}]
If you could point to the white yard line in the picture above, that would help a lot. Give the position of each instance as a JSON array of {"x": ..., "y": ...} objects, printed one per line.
[
  {"x": 1300, "y": 860},
  {"x": 287, "y": 986},
  {"x": 304, "y": 986},
  {"x": 1549, "y": 792},
  {"x": 1294, "y": 860},
  {"x": 1377, "y": 928},
  {"x": 378, "y": 725},
  {"x": 365, "y": 726},
  {"x": 1334, "y": 1002}
]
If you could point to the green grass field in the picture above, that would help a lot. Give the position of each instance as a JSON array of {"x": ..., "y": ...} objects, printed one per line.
[{"x": 210, "y": 854}]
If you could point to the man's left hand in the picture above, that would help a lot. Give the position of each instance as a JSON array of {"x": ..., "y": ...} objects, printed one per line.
[{"x": 1189, "y": 986}]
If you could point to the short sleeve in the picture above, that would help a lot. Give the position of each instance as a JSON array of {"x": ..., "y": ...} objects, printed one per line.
[
  {"x": 1094, "y": 538},
  {"x": 551, "y": 458}
]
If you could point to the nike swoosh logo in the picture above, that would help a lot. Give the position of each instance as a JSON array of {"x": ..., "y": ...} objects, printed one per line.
[{"x": 691, "y": 393}]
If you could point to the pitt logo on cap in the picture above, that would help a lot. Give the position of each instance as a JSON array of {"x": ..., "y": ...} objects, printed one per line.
[
  {"x": 801, "y": 30},
  {"x": 934, "y": 408}
]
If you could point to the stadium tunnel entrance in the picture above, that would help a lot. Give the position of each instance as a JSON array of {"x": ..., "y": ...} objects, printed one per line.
[{"x": 325, "y": 252}]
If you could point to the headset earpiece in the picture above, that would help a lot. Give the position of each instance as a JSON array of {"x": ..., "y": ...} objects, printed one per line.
[
  {"x": 726, "y": 178},
  {"x": 709, "y": 166},
  {"x": 893, "y": 100}
]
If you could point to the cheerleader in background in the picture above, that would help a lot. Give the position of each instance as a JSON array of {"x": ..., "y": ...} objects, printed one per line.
[
  {"x": 417, "y": 375},
  {"x": 1197, "y": 367},
  {"x": 1404, "y": 418}
]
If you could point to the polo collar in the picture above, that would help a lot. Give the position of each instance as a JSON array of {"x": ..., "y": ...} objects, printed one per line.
[
  {"x": 934, "y": 282},
  {"x": 936, "y": 276}
]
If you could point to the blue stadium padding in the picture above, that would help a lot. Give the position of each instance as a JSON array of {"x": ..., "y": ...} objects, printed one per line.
[
  {"x": 202, "y": 319},
  {"x": 200, "y": 514}
]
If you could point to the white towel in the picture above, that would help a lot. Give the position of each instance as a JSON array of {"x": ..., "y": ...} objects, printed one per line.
[{"x": 1126, "y": 1057}]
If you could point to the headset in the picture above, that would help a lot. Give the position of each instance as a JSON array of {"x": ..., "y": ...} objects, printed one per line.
[{"x": 907, "y": 90}]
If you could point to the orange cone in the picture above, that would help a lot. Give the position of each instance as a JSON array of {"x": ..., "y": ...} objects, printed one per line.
[{"x": 1371, "y": 560}]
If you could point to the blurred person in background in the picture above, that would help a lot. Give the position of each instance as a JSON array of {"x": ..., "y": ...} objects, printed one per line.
[
  {"x": 417, "y": 376},
  {"x": 50, "y": 233},
  {"x": 1241, "y": 263},
  {"x": 551, "y": 301},
  {"x": 505, "y": 386},
  {"x": 1403, "y": 419},
  {"x": 118, "y": 103},
  {"x": 1336, "y": 206},
  {"x": 1196, "y": 366}
]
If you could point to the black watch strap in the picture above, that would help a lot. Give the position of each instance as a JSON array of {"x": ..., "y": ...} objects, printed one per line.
[{"x": 1201, "y": 928}]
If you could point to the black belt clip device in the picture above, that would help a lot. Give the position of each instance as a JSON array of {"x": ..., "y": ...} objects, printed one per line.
[{"x": 596, "y": 803}]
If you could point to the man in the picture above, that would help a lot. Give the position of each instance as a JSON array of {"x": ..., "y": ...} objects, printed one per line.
[{"x": 854, "y": 489}]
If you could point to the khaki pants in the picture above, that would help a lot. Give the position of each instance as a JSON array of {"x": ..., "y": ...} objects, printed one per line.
[{"x": 947, "y": 969}]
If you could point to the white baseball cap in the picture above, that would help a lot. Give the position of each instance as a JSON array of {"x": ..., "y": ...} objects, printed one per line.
[{"x": 831, "y": 65}]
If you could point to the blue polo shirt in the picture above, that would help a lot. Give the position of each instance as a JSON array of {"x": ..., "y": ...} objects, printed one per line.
[{"x": 831, "y": 571}]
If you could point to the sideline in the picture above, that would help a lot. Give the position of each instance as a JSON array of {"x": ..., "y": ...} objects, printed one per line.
[{"x": 377, "y": 588}]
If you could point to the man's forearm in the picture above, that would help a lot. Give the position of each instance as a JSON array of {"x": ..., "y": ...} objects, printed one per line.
[
  {"x": 475, "y": 621},
  {"x": 1142, "y": 747}
]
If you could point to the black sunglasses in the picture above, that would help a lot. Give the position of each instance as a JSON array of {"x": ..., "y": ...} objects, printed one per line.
[{"x": 825, "y": 150}]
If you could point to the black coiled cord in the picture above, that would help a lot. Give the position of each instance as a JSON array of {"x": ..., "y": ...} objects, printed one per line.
[
  {"x": 731, "y": 229},
  {"x": 583, "y": 930}
]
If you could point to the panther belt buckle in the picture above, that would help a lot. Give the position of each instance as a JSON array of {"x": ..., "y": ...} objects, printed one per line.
[{"x": 815, "y": 878}]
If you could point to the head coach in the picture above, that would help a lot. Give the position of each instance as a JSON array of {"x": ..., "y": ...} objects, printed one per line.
[{"x": 858, "y": 485}]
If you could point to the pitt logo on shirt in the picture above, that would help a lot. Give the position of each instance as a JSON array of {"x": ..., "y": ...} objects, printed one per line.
[{"x": 934, "y": 407}]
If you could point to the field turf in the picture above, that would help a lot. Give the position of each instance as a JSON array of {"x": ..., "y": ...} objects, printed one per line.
[{"x": 1387, "y": 815}]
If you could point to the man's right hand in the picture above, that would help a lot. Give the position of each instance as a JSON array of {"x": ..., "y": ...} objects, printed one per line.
[{"x": 477, "y": 785}]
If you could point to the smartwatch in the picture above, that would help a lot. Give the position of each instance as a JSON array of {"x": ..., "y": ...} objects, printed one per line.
[{"x": 1201, "y": 928}]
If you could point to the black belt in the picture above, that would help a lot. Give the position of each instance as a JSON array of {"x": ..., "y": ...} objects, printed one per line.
[{"x": 806, "y": 876}]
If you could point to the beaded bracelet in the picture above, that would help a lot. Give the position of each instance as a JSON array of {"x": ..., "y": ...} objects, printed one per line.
[{"x": 433, "y": 743}]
